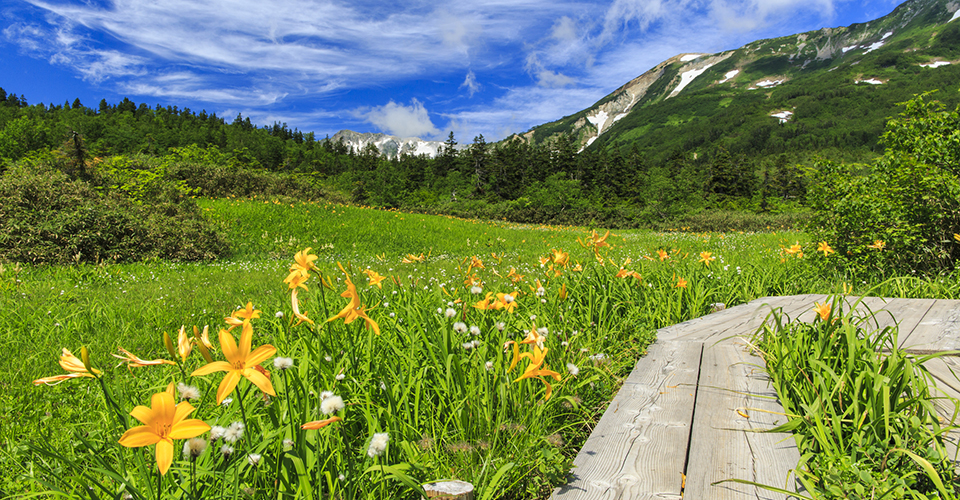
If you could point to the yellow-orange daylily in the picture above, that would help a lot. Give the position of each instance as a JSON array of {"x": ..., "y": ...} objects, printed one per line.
[
  {"x": 163, "y": 422},
  {"x": 956, "y": 236},
  {"x": 184, "y": 344},
  {"x": 534, "y": 337},
  {"x": 624, "y": 273},
  {"x": 241, "y": 362},
  {"x": 824, "y": 247},
  {"x": 353, "y": 309},
  {"x": 70, "y": 363},
  {"x": 239, "y": 316},
  {"x": 514, "y": 276},
  {"x": 681, "y": 283},
  {"x": 320, "y": 424},
  {"x": 375, "y": 278},
  {"x": 295, "y": 305},
  {"x": 475, "y": 263},
  {"x": 506, "y": 301},
  {"x": 410, "y": 258},
  {"x": 203, "y": 343},
  {"x": 663, "y": 255},
  {"x": 484, "y": 303},
  {"x": 706, "y": 258},
  {"x": 822, "y": 309},
  {"x": 303, "y": 263},
  {"x": 877, "y": 245},
  {"x": 560, "y": 257},
  {"x": 535, "y": 369},
  {"x": 544, "y": 260},
  {"x": 135, "y": 361}
]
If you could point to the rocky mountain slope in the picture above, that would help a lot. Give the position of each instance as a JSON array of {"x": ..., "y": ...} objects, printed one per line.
[{"x": 917, "y": 34}]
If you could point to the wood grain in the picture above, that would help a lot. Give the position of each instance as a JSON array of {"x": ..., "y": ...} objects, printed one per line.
[
  {"x": 638, "y": 449},
  {"x": 734, "y": 399}
]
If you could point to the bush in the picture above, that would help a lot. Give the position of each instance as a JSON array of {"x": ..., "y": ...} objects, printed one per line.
[
  {"x": 902, "y": 212},
  {"x": 45, "y": 217}
]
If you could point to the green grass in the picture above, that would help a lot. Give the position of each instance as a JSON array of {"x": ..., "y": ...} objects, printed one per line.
[{"x": 447, "y": 413}]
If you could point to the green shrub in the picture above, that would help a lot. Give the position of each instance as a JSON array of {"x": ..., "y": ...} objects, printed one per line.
[
  {"x": 45, "y": 217},
  {"x": 901, "y": 212}
]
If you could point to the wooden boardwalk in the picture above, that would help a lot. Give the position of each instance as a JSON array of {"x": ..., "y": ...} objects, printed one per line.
[{"x": 686, "y": 406}]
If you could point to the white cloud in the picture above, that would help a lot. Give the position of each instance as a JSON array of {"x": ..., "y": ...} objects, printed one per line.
[
  {"x": 400, "y": 120},
  {"x": 470, "y": 82}
]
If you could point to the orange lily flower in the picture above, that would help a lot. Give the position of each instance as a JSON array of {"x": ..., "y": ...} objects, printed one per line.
[
  {"x": 163, "y": 422},
  {"x": 353, "y": 309},
  {"x": 534, "y": 369},
  {"x": 681, "y": 283},
  {"x": 295, "y": 305},
  {"x": 320, "y": 424},
  {"x": 663, "y": 255},
  {"x": 72, "y": 364},
  {"x": 877, "y": 245},
  {"x": 822, "y": 309},
  {"x": 375, "y": 278},
  {"x": 706, "y": 258},
  {"x": 241, "y": 362},
  {"x": 825, "y": 248},
  {"x": 135, "y": 361},
  {"x": 410, "y": 258},
  {"x": 561, "y": 258},
  {"x": 303, "y": 263}
]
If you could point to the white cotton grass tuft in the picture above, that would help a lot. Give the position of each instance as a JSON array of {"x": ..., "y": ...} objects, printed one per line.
[
  {"x": 283, "y": 363},
  {"x": 573, "y": 369},
  {"x": 331, "y": 405},
  {"x": 278, "y": 314},
  {"x": 488, "y": 365},
  {"x": 378, "y": 444},
  {"x": 217, "y": 432},
  {"x": 226, "y": 450},
  {"x": 254, "y": 459},
  {"x": 325, "y": 395},
  {"x": 474, "y": 330},
  {"x": 501, "y": 325},
  {"x": 194, "y": 447},
  {"x": 476, "y": 290},
  {"x": 450, "y": 312},
  {"x": 459, "y": 327},
  {"x": 234, "y": 432},
  {"x": 188, "y": 392}
]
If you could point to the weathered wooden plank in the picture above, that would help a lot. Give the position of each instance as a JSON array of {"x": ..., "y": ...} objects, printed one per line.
[
  {"x": 947, "y": 386},
  {"x": 749, "y": 317},
  {"x": 939, "y": 330},
  {"x": 731, "y": 386},
  {"x": 638, "y": 449}
]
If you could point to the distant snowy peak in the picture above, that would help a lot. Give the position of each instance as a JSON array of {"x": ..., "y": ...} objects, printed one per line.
[{"x": 388, "y": 145}]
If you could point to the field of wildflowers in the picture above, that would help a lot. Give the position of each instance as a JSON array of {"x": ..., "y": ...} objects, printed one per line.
[{"x": 346, "y": 352}]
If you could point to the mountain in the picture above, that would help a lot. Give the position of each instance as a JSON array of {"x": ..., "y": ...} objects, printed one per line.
[
  {"x": 389, "y": 145},
  {"x": 830, "y": 88}
]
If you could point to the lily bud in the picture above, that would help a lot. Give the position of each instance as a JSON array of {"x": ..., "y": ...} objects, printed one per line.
[
  {"x": 168, "y": 343},
  {"x": 85, "y": 357}
]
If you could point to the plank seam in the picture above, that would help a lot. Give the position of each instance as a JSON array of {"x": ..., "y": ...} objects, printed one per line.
[{"x": 693, "y": 416}]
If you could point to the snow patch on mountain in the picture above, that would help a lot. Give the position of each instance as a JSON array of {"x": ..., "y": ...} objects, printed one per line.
[
  {"x": 689, "y": 57},
  {"x": 936, "y": 64},
  {"x": 729, "y": 75},
  {"x": 871, "y": 81},
  {"x": 599, "y": 120},
  {"x": 872, "y": 47},
  {"x": 783, "y": 116},
  {"x": 955, "y": 16},
  {"x": 388, "y": 145},
  {"x": 686, "y": 77}
]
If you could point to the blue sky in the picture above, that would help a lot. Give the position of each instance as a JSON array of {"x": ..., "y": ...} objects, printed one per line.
[{"x": 413, "y": 68}]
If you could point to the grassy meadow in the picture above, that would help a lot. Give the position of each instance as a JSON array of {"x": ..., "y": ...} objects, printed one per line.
[{"x": 459, "y": 382}]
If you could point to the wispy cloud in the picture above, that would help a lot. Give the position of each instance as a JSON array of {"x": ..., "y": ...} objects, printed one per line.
[
  {"x": 538, "y": 59},
  {"x": 470, "y": 82}
]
